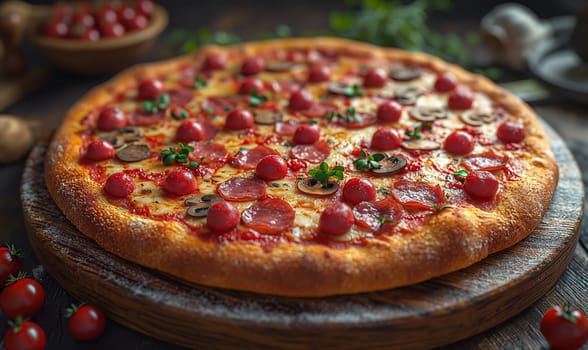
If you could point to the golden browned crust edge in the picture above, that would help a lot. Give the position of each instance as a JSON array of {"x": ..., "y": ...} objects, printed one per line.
[{"x": 453, "y": 239}]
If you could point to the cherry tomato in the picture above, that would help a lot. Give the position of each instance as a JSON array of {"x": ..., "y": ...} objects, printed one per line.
[
  {"x": 24, "y": 297},
  {"x": 307, "y": 134},
  {"x": 511, "y": 131},
  {"x": 251, "y": 84},
  {"x": 222, "y": 217},
  {"x": 25, "y": 336},
  {"x": 252, "y": 65},
  {"x": 239, "y": 119},
  {"x": 99, "y": 150},
  {"x": 385, "y": 139},
  {"x": 272, "y": 167},
  {"x": 106, "y": 15},
  {"x": 127, "y": 14},
  {"x": 375, "y": 77},
  {"x": 112, "y": 30},
  {"x": 138, "y": 22},
  {"x": 10, "y": 263},
  {"x": 459, "y": 142},
  {"x": 190, "y": 130},
  {"x": 318, "y": 73},
  {"x": 85, "y": 19},
  {"x": 564, "y": 327},
  {"x": 300, "y": 100},
  {"x": 119, "y": 185},
  {"x": 180, "y": 182},
  {"x": 389, "y": 111},
  {"x": 55, "y": 29},
  {"x": 358, "y": 190},
  {"x": 86, "y": 322},
  {"x": 214, "y": 62},
  {"x": 445, "y": 82},
  {"x": 111, "y": 118},
  {"x": 145, "y": 7},
  {"x": 481, "y": 184},
  {"x": 461, "y": 98},
  {"x": 150, "y": 89},
  {"x": 336, "y": 219}
]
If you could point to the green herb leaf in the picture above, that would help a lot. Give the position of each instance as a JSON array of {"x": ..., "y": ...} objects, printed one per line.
[
  {"x": 179, "y": 154},
  {"x": 461, "y": 173},
  {"x": 322, "y": 173},
  {"x": 199, "y": 83},
  {"x": 437, "y": 208},
  {"x": 255, "y": 99},
  {"x": 368, "y": 161}
]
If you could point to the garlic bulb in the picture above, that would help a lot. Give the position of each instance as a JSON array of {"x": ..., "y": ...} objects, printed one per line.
[{"x": 16, "y": 138}]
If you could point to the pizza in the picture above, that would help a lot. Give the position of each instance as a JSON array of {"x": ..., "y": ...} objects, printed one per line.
[{"x": 302, "y": 167}]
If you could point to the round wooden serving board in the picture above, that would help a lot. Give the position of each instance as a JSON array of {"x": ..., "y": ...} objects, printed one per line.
[{"x": 429, "y": 314}]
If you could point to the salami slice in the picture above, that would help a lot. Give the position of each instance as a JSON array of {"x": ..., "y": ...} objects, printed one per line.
[
  {"x": 319, "y": 110},
  {"x": 220, "y": 104},
  {"x": 213, "y": 153},
  {"x": 380, "y": 216},
  {"x": 181, "y": 96},
  {"x": 248, "y": 158},
  {"x": 315, "y": 153},
  {"x": 269, "y": 216},
  {"x": 140, "y": 118},
  {"x": 488, "y": 161},
  {"x": 417, "y": 195},
  {"x": 241, "y": 189},
  {"x": 287, "y": 128}
]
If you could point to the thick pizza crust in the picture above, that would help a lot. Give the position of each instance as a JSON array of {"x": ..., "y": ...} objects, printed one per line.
[{"x": 453, "y": 239}]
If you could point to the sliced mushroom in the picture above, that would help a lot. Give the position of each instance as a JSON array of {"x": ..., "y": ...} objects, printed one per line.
[
  {"x": 131, "y": 134},
  {"x": 133, "y": 152},
  {"x": 476, "y": 118},
  {"x": 339, "y": 88},
  {"x": 427, "y": 114},
  {"x": 408, "y": 95},
  {"x": 114, "y": 138},
  {"x": 268, "y": 117},
  {"x": 311, "y": 186},
  {"x": 199, "y": 210},
  {"x": 404, "y": 73},
  {"x": 278, "y": 66},
  {"x": 202, "y": 198},
  {"x": 425, "y": 145},
  {"x": 390, "y": 165}
]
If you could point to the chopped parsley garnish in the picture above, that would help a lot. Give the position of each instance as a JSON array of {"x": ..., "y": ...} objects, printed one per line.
[
  {"x": 353, "y": 91},
  {"x": 209, "y": 110},
  {"x": 460, "y": 175},
  {"x": 322, "y": 173},
  {"x": 439, "y": 208},
  {"x": 179, "y": 154},
  {"x": 415, "y": 133},
  {"x": 153, "y": 107},
  {"x": 255, "y": 99},
  {"x": 349, "y": 117},
  {"x": 383, "y": 220},
  {"x": 368, "y": 161},
  {"x": 199, "y": 83},
  {"x": 179, "y": 114}
]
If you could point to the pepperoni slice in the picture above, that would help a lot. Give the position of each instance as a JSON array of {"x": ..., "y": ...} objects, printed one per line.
[
  {"x": 286, "y": 86},
  {"x": 180, "y": 96},
  {"x": 363, "y": 120},
  {"x": 140, "y": 118},
  {"x": 488, "y": 161},
  {"x": 417, "y": 195},
  {"x": 314, "y": 153},
  {"x": 220, "y": 104},
  {"x": 248, "y": 158},
  {"x": 380, "y": 216},
  {"x": 210, "y": 130},
  {"x": 319, "y": 110},
  {"x": 241, "y": 189},
  {"x": 269, "y": 216},
  {"x": 213, "y": 153},
  {"x": 287, "y": 128}
]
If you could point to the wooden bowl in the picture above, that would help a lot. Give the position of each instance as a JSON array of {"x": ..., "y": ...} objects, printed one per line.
[{"x": 106, "y": 55}]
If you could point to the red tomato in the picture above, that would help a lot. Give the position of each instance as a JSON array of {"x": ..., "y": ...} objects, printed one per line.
[
  {"x": 251, "y": 84},
  {"x": 319, "y": 72},
  {"x": 459, "y": 142},
  {"x": 252, "y": 65},
  {"x": 461, "y": 98},
  {"x": 10, "y": 263},
  {"x": 112, "y": 118},
  {"x": 119, "y": 185},
  {"x": 239, "y": 119},
  {"x": 389, "y": 111},
  {"x": 106, "y": 15},
  {"x": 23, "y": 298},
  {"x": 511, "y": 131},
  {"x": 214, "y": 62},
  {"x": 564, "y": 327},
  {"x": 85, "y": 19},
  {"x": 375, "y": 77},
  {"x": 190, "y": 130},
  {"x": 99, "y": 150},
  {"x": 145, "y": 7},
  {"x": 180, "y": 182},
  {"x": 358, "y": 190},
  {"x": 481, "y": 184},
  {"x": 385, "y": 139},
  {"x": 307, "y": 134},
  {"x": 136, "y": 23},
  {"x": 300, "y": 100},
  {"x": 25, "y": 336},
  {"x": 445, "y": 82},
  {"x": 336, "y": 219},
  {"x": 112, "y": 30},
  {"x": 86, "y": 322},
  {"x": 222, "y": 217},
  {"x": 150, "y": 89},
  {"x": 55, "y": 29},
  {"x": 272, "y": 167}
]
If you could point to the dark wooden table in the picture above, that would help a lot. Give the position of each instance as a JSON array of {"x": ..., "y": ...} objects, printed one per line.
[{"x": 50, "y": 103}]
